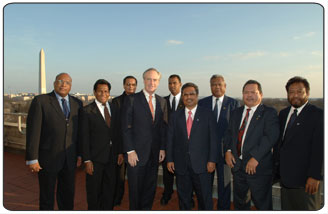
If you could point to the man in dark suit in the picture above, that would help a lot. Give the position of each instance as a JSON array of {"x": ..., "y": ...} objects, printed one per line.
[
  {"x": 252, "y": 132},
  {"x": 192, "y": 150},
  {"x": 174, "y": 103},
  {"x": 100, "y": 148},
  {"x": 144, "y": 125},
  {"x": 52, "y": 143},
  {"x": 222, "y": 107},
  {"x": 130, "y": 86},
  {"x": 301, "y": 149}
]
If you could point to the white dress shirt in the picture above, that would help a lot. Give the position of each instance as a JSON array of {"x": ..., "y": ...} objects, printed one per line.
[
  {"x": 177, "y": 99},
  {"x": 250, "y": 115},
  {"x": 219, "y": 104},
  {"x": 193, "y": 111},
  {"x": 153, "y": 100},
  {"x": 102, "y": 108},
  {"x": 291, "y": 111}
]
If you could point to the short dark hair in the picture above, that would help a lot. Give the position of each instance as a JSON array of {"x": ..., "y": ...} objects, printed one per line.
[
  {"x": 253, "y": 82},
  {"x": 298, "y": 79},
  {"x": 101, "y": 82},
  {"x": 130, "y": 77},
  {"x": 175, "y": 76},
  {"x": 190, "y": 84}
]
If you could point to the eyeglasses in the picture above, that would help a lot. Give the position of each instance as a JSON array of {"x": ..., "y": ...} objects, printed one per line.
[{"x": 61, "y": 82}]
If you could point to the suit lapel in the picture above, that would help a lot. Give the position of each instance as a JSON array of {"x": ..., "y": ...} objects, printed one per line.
[
  {"x": 224, "y": 108},
  {"x": 298, "y": 121},
  {"x": 182, "y": 122},
  {"x": 55, "y": 104},
  {"x": 252, "y": 124},
  {"x": 195, "y": 122},
  {"x": 145, "y": 103}
]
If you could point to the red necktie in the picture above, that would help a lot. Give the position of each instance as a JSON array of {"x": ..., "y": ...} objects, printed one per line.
[
  {"x": 189, "y": 123},
  {"x": 107, "y": 116},
  {"x": 150, "y": 103},
  {"x": 241, "y": 132}
]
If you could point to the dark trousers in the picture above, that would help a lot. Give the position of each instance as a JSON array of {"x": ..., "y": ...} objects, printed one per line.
[
  {"x": 120, "y": 182},
  {"x": 202, "y": 184},
  {"x": 101, "y": 186},
  {"x": 224, "y": 192},
  {"x": 142, "y": 182},
  {"x": 257, "y": 188},
  {"x": 168, "y": 181},
  {"x": 298, "y": 199},
  {"x": 65, "y": 189}
]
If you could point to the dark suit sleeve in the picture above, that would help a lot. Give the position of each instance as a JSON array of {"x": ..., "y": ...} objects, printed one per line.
[
  {"x": 215, "y": 148},
  {"x": 317, "y": 150},
  {"x": 85, "y": 135},
  {"x": 270, "y": 135},
  {"x": 164, "y": 125},
  {"x": 33, "y": 130},
  {"x": 79, "y": 142},
  {"x": 127, "y": 124},
  {"x": 227, "y": 140},
  {"x": 170, "y": 138}
]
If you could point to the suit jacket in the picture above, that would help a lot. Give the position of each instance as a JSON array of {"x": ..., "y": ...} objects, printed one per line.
[
  {"x": 169, "y": 110},
  {"x": 228, "y": 105},
  {"x": 201, "y": 147},
  {"x": 49, "y": 137},
  {"x": 140, "y": 132},
  {"x": 301, "y": 152},
  {"x": 96, "y": 136},
  {"x": 261, "y": 136},
  {"x": 118, "y": 102}
]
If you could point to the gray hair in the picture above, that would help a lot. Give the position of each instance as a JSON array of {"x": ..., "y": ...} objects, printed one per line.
[
  {"x": 151, "y": 69},
  {"x": 216, "y": 76}
]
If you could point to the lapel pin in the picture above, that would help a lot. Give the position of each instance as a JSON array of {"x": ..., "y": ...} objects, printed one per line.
[
  {"x": 297, "y": 124},
  {"x": 197, "y": 120},
  {"x": 224, "y": 107}
]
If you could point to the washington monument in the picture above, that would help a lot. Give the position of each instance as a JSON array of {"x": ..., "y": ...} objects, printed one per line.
[{"x": 42, "y": 74}]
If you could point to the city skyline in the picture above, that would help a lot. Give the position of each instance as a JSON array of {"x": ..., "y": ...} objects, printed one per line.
[{"x": 267, "y": 42}]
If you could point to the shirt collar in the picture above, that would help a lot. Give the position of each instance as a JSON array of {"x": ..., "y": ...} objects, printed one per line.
[
  {"x": 100, "y": 104},
  {"x": 177, "y": 97},
  {"x": 220, "y": 98},
  {"x": 147, "y": 94},
  {"x": 253, "y": 109},
  {"x": 299, "y": 109},
  {"x": 60, "y": 97},
  {"x": 193, "y": 111}
]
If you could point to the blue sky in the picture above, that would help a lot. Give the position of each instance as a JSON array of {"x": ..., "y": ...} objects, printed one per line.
[{"x": 267, "y": 42}]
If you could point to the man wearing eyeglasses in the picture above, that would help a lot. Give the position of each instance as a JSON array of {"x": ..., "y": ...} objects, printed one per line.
[{"x": 52, "y": 143}]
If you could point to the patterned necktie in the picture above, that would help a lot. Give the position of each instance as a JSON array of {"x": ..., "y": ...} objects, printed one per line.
[
  {"x": 215, "y": 110},
  {"x": 241, "y": 132},
  {"x": 291, "y": 121},
  {"x": 65, "y": 108},
  {"x": 173, "y": 104},
  {"x": 107, "y": 116},
  {"x": 189, "y": 123},
  {"x": 150, "y": 103}
]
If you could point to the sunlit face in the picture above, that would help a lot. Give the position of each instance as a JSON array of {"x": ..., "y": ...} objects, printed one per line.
[
  {"x": 218, "y": 87},
  {"x": 151, "y": 81},
  {"x": 252, "y": 95},
  {"x": 174, "y": 85},
  {"x": 63, "y": 84},
  {"x": 189, "y": 97},
  {"x": 130, "y": 86},
  {"x": 102, "y": 93},
  {"x": 297, "y": 95}
]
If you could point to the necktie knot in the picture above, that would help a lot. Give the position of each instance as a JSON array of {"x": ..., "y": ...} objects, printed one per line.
[{"x": 189, "y": 112}]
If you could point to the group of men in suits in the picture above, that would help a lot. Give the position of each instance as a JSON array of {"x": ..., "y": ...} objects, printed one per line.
[{"x": 191, "y": 138}]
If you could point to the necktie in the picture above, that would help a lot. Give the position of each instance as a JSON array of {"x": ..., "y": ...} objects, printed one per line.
[
  {"x": 291, "y": 121},
  {"x": 65, "y": 108},
  {"x": 107, "y": 116},
  {"x": 241, "y": 132},
  {"x": 189, "y": 123},
  {"x": 215, "y": 110},
  {"x": 151, "y": 106},
  {"x": 173, "y": 104}
]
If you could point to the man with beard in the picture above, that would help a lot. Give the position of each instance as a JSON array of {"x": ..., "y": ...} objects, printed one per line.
[{"x": 300, "y": 149}]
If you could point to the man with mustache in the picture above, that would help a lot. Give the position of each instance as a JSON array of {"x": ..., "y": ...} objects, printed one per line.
[
  {"x": 300, "y": 149},
  {"x": 252, "y": 132}
]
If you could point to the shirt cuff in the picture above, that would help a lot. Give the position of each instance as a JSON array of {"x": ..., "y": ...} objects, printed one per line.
[
  {"x": 87, "y": 161},
  {"x": 131, "y": 151},
  {"x": 30, "y": 162}
]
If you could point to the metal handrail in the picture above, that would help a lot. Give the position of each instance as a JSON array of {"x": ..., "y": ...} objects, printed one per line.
[{"x": 19, "y": 121}]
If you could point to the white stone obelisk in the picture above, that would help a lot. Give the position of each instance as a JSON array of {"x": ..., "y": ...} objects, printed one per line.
[{"x": 42, "y": 74}]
